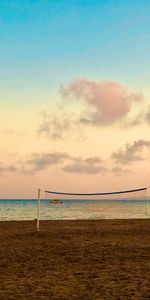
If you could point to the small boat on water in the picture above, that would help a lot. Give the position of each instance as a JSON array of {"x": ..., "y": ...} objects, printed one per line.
[{"x": 55, "y": 201}]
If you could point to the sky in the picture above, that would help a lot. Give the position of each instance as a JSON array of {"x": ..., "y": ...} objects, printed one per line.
[{"x": 74, "y": 96}]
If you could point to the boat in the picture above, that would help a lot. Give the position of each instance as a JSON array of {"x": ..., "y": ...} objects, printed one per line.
[{"x": 55, "y": 201}]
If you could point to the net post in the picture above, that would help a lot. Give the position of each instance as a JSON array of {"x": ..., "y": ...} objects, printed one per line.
[{"x": 38, "y": 211}]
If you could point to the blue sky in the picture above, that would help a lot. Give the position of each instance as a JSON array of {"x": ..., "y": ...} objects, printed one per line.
[{"x": 48, "y": 42}]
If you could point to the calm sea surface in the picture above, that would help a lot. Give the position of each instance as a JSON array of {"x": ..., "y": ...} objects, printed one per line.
[{"x": 26, "y": 209}]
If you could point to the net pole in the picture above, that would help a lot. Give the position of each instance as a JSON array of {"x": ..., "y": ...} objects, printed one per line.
[
  {"x": 146, "y": 203},
  {"x": 38, "y": 211}
]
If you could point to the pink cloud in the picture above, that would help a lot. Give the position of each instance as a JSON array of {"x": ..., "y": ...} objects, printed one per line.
[{"x": 111, "y": 100}]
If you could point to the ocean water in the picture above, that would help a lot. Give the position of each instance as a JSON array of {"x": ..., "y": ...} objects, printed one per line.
[{"x": 26, "y": 209}]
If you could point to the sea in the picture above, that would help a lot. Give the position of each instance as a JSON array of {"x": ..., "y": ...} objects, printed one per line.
[{"x": 26, "y": 209}]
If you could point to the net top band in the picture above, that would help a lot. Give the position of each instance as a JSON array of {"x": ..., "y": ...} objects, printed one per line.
[{"x": 95, "y": 194}]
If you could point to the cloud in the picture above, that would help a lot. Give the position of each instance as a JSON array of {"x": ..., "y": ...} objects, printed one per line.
[
  {"x": 42, "y": 161},
  {"x": 36, "y": 162},
  {"x": 39, "y": 162},
  {"x": 131, "y": 153},
  {"x": 54, "y": 126},
  {"x": 90, "y": 165},
  {"x": 11, "y": 168},
  {"x": 92, "y": 103},
  {"x": 120, "y": 172},
  {"x": 147, "y": 115},
  {"x": 8, "y": 168},
  {"x": 111, "y": 101}
]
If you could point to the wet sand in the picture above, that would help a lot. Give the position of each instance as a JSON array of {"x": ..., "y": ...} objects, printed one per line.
[{"x": 106, "y": 259}]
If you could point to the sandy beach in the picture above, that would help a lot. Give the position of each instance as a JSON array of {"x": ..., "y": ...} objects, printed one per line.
[{"x": 106, "y": 259}]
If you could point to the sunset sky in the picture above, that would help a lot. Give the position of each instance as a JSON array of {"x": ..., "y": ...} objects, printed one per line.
[{"x": 74, "y": 96}]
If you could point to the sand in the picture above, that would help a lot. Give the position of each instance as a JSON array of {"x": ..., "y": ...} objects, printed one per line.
[{"x": 106, "y": 259}]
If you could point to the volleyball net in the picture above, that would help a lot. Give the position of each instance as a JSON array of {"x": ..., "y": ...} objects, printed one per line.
[{"x": 101, "y": 205}]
